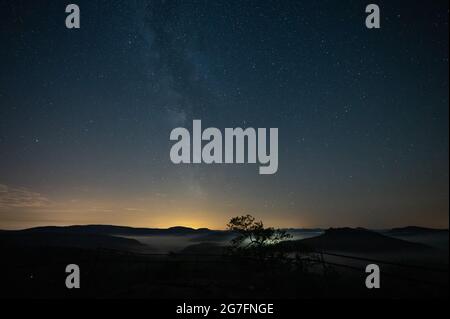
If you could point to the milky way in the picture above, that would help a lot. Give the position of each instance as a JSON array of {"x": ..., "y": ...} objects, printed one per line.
[{"x": 85, "y": 115}]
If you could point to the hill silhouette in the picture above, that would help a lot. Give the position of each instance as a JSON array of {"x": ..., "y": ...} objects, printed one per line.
[
  {"x": 69, "y": 239},
  {"x": 113, "y": 237},
  {"x": 415, "y": 230},
  {"x": 118, "y": 230},
  {"x": 126, "y": 267},
  {"x": 358, "y": 240}
]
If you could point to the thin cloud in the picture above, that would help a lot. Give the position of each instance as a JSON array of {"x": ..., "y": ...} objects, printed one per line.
[
  {"x": 132, "y": 209},
  {"x": 12, "y": 197}
]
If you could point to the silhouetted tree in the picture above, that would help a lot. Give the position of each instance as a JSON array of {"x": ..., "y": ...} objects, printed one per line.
[{"x": 252, "y": 237}]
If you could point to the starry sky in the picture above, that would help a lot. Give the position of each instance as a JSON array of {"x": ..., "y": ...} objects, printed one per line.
[{"x": 86, "y": 114}]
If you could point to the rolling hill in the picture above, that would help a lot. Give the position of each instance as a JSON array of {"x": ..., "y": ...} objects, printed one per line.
[{"x": 359, "y": 239}]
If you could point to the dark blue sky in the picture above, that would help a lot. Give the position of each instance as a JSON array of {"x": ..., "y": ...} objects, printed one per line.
[{"x": 85, "y": 115}]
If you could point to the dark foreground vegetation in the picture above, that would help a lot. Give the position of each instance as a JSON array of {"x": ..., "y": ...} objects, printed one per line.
[
  {"x": 258, "y": 263},
  {"x": 39, "y": 272}
]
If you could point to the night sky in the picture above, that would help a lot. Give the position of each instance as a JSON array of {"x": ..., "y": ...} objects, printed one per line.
[{"x": 85, "y": 115}]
